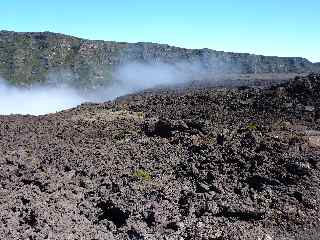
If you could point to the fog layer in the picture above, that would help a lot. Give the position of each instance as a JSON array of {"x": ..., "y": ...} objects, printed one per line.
[{"x": 129, "y": 78}]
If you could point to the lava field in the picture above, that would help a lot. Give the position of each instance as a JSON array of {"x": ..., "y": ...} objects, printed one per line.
[{"x": 198, "y": 163}]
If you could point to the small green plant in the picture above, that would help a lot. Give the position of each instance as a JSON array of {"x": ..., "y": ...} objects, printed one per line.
[
  {"x": 140, "y": 114},
  {"x": 143, "y": 174},
  {"x": 252, "y": 126},
  {"x": 211, "y": 138},
  {"x": 294, "y": 138}
]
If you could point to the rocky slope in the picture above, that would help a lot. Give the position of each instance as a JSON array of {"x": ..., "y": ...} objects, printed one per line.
[
  {"x": 317, "y": 65},
  {"x": 26, "y": 58},
  {"x": 198, "y": 163}
]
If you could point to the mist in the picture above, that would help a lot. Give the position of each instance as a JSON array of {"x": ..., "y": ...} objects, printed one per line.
[
  {"x": 59, "y": 94},
  {"x": 36, "y": 100}
]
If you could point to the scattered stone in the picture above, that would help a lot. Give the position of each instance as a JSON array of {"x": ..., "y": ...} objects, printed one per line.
[{"x": 194, "y": 164}]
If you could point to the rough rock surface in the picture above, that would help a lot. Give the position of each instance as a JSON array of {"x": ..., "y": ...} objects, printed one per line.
[
  {"x": 198, "y": 163},
  {"x": 26, "y": 58}
]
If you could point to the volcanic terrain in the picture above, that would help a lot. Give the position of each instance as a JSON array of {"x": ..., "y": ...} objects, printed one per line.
[{"x": 192, "y": 163}]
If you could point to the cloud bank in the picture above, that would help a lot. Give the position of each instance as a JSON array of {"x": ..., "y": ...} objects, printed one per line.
[
  {"x": 36, "y": 101},
  {"x": 129, "y": 78}
]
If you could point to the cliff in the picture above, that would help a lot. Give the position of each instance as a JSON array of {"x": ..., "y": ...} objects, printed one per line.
[{"x": 26, "y": 58}]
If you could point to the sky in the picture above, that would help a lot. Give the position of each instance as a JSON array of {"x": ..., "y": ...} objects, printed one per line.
[{"x": 274, "y": 27}]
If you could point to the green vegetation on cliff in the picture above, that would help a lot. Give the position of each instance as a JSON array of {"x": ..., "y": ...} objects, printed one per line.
[{"x": 27, "y": 58}]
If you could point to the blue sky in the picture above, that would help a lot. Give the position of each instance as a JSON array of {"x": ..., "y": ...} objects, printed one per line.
[{"x": 273, "y": 27}]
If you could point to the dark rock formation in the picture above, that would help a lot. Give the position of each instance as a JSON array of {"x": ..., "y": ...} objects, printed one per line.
[
  {"x": 26, "y": 58},
  {"x": 199, "y": 163},
  {"x": 317, "y": 66}
]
